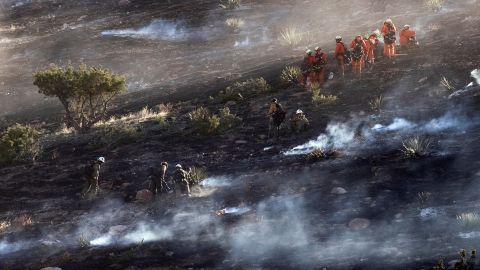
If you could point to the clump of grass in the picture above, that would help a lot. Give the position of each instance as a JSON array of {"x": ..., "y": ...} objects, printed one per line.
[
  {"x": 116, "y": 135},
  {"x": 234, "y": 23},
  {"x": 291, "y": 36},
  {"x": 416, "y": 147},
  {"x": 376, "y": 103},
  {"x": 145, "y": 114},
  {"x": 230, "y": 4},
  {"x": 423, "y": 197},
  {"x": 291, "y": 75},
  {"x": 23, "y": 221},
  {"x": 246, "y": 89},
  {"x": 434, "y": 5},
  {"x": 469, "y": 219},
  {"x": 447, "y": 84},
  {"x": 197, "y": 175},
  {"x": 4, "y": 225},
  {"x": 83, "y": 242},
  {"x": 318, "y": 98}
]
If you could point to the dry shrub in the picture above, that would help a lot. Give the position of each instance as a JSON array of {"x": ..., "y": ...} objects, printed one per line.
[
  {"x": 204, "y": 122},
  {"x": 320, "y": 154},
  {"x": 434, "y": 5},
  {"x": 290, "y": 75},
  {"x": 447, "y": 84},
  {"x": 416, "y": 147},
  {"x": 4, "y": 225},
  {"x": 423, "y": 197},
  {"x": 228, "y": 120},
  {"x": 469, "y": 219},
  {"x": 230, "y": 4},
  {"x": 291, "y": 36},
  {"x": 22, "y": 221},
  {"x": 197, "y": 175},
  {"x": 116, "y": 135},
  {"x": 83, "y": 241}
]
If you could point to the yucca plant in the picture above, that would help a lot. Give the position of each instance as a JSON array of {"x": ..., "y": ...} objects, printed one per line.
[
  {"x": 434, "y": 5},
  {"x": 234, "y": 23},
  {"x": 291, "y": 75},
  {"x": 447, "y": 84},
  {"x": 291, "y": 36},
  {"x": 416, "y": 147},
  {"x": 469, "y": 219},
  {"x": 318, "y": 98}
]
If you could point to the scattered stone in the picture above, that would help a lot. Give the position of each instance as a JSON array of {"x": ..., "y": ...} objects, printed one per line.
[
  {"x": 169, "y": 253},
  {"x": 241, "y": 142},
  {"x": 230, "y": 103},
  {"x": 144, "y": 195},
  {"x": 123, "y": 2},
  {"x": 262, "y": 137},
  {"x": 339, "y": 191},
  {"x": 359, "y": 223}
]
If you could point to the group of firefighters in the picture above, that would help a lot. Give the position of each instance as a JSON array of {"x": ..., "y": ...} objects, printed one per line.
[
  {"x": 158, "y": 179},
  {"x": 362, "y": 50}
]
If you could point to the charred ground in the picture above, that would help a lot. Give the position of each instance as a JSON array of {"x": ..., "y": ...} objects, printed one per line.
[{"x": 294, "y": 222}]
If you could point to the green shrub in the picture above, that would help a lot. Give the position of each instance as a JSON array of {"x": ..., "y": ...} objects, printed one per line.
[
  {"x": 19, "y": 143},
  {"x": 204, "y": 122},
  {"x": 228, "y": 120},
  {"x": 290, "y": 75},
  {"x": 246, "y": 89}
]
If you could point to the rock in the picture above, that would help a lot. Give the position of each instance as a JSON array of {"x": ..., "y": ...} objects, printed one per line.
[
  {"x": 118, "y": 229},
  {"x": 123, "y": 2},
  {"x": 339, "y": 191},
  {"x": 262, "y": 136},
  {"x": 144, "y": 195},
  {"x": 422, "y": 79},
  {"x": 51, "y": 268},
  {"x": 359, "y": 223},
  {"x": 398, "y": 216},
  {"x": 230, "y": 103},
  {"x": 241, "y": 142},
  {"x": 169, "y": 253}
]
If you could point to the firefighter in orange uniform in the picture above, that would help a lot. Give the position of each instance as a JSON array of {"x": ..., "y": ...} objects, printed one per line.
[
  {"x": 359, "y": 50},
  {"x": 408, "y": 37},
  {"x": 320, "y": 62},
  {"x": 340, "y": 55},
  {"x": 389, "y": 33}
]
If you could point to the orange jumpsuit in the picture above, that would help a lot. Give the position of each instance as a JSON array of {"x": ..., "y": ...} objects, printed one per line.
[
  {"x": 372, "y": 44},
  {"x": 339, "y": 55},
  {"x": 308, "y": 64},
  {"x": 357, "y": 63},
  {"x": 320, "y": 62},
  {"x": 405, "y": 35},
  {"x": 389, "y": 48}
]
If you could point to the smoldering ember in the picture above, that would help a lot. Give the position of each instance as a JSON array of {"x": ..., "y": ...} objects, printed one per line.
[{"x": 239, "y": 134}]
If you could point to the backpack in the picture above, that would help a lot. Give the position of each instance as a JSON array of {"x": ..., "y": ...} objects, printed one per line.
[
  {"x": 390, "y": 37},
  {"x": 279, "y": 116},
  {"x": 320, "y": 60},
  {"x": 357, "y": 51},
  {"x": 88, "y": 169},
  {"x": 347, "y": 56}
]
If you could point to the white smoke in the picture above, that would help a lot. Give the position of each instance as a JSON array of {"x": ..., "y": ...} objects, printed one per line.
[
  {"x": 7, "y": 247},
  {"x": 220, "y": 181},
  {"x": 476, "y": 75},
  {"x": 343, "y": 135}
]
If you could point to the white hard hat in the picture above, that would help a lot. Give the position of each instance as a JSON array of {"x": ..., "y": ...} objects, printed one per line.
[
  {"x": 308, "y": 51},
  {"x": 299, "y": 111},
  {"x": 178, "y": 166},
  {"x": 101, "y": 159},
  {"x": 377, "y": 32},
  {"x": 338, "y": 37},
  {"x": 388, "y": 20},
  {"x": 406, "y": 26},
  {"x": 318, "y": 49}
]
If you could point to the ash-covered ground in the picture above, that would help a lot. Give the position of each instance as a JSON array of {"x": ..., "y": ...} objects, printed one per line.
[{"x": 263, "y": 206}]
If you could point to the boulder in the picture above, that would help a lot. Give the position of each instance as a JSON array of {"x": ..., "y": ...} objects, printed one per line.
[
  {"x": 144, "y": 195},
  {"x": 339, "y": 191},
  {"x": 359, "y": 223}
]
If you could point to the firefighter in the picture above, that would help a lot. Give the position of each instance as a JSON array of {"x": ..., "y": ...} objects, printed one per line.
[
  {"x": 472, "y": 261},
  {"x": 389, "y": 35},
  {"x": 308, "y": 74},
  {"x": 320, "y": 62},
  {"x": 180, "y": 177},
  {"x": 158, "y": 179},
  {"x": 359, "y": 49},
  {"x": 408, "y": 38},
  {"x": 372, "y": 44},
  {"x": 92, "y": 173},
  {"x": 341, "y": 55},
  {"x": 299, "y": 122},
  {"x": 276, "y": 115}
]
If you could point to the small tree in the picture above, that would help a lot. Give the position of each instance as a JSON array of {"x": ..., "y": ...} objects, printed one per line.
[{"x": 85, "y": 92}]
